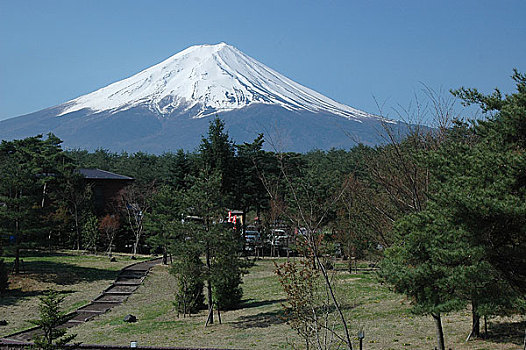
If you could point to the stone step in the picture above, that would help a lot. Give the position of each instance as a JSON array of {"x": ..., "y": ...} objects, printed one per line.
[
  {"x": 116, "y": 302},
  {"x": 120, "y": 289},
  {"x": 110, "y": 298},
  {"x": 131, "y": 276},
  {"x": 96, "y": 312},
  {"x": 82, "y": 317},
  {"x": 119, "y": 293},
  {"x": 128, "y": 282},
  {"x": 137, "y": 271},
  {"x": 96, "y": 308}
]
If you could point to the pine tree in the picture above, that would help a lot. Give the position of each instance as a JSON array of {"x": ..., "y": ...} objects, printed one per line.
[
  {"x": 425, "y": 263},
  {"x": 227, "y": 268},
  {"x": 250, "y": 192},
  {"x": 485, "y": 187},
  {"x": 188, "y": 269},
  {"x": 220, "y": 243},
  {"x": 90, "y": 233},
  {"x": 212, "y": 192},
  {"x": 161, "y": 223},
  {"x": 29, "y": 170},
  {"x": 469, "y": 243},
  {"x": 216, "y": 153},
  {"x": 50, "y": 318}
]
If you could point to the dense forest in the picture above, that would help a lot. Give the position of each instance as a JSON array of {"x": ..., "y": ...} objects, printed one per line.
[{"x": 442, "y": 210}]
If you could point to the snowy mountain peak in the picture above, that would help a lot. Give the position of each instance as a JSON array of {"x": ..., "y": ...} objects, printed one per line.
[{"x": 208, "y": 79}]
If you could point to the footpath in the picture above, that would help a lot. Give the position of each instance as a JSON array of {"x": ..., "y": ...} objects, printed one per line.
[{"x": 127, "y": 282}]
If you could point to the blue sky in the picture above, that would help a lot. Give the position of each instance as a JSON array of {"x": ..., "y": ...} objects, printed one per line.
[{"x": 352, "y": 51}]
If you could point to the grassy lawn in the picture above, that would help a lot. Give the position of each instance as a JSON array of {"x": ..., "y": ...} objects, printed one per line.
[
  {"x": 258, "y": 324},
  {"x": 385, "y": 316},
  {"x": 81, "y": 277}
]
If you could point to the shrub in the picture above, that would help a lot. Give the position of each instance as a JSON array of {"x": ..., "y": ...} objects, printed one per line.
[{"x": 189, "y": 297}]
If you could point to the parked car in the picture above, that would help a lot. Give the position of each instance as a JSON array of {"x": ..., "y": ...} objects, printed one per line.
[
  {"x": 279, "y": 238},
  {"x": 252, "y": 240}
]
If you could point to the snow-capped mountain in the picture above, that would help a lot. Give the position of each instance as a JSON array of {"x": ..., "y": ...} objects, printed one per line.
[
  {"x": 212, "y": 78},
  {"x": 168, "y": 106}
]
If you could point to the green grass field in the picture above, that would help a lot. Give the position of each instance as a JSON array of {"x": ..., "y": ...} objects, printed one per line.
[{"x": 258, "y": 324}]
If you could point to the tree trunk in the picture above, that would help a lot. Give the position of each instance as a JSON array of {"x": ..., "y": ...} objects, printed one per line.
[
  {"x": 317, "y": 262},
  {"x": 439, "y": 332},
  {"x": 135, "y": 244},
  {"x": 137, "y": 239},
  {"x": 17, "y": 260},
  {"x": 475, "y": 323},
  {"x": 77, "y": 226},
  {"x": 165, "y": 256},
  {"x": 475, "y": 327},
  {"x": 17, "y": 247},
  {"x": 111, "y": 238},
  {"x": 44, "y": 195},
  {"x": 210, "y": 319}
]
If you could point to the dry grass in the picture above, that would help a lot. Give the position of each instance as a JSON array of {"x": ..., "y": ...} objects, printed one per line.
[
  {"x": 80, "y": 277},
  {"x": 385, "y": 316},
  {"x": 389, "y": 324},
  {"x": 257, "y": 325}
]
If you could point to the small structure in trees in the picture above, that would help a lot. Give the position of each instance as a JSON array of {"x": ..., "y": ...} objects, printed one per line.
[{"x": 108, "y": 188}]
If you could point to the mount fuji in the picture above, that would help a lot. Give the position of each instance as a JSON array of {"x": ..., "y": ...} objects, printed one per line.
[{"x": 169, "y": 106}]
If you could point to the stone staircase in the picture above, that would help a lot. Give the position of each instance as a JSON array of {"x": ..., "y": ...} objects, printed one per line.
[{"x": 127, "y": 282}]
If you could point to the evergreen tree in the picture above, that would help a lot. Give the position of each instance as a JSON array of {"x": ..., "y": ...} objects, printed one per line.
[
  {"x": 469, "y": 244},
  {"x": 174, "y": 168},
  {"x": 90, "y": 233},
  {"x": 227, "y": 268},
  {"x": 29, "y": 172},
  {"x": 171, "y": 233},
  {"x": 425, "y": 263},
  {"x": 216, "y": 153},
  {"x": 204, "y": 200},
  {"x": 485, "y": 187},
  {"x": 189, "y": 271},
  {"x": 50, "y": 318},
  {"x": 220, "y": 243},
  {"x": 163, "y": 219},
  {"x": 250, "y": 192}
]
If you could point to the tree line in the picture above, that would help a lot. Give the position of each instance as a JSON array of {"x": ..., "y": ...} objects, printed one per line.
[{"x": 442, "y": 209}]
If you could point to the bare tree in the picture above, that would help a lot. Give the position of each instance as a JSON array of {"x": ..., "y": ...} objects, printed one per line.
[
  {"x": 400, "y": 180},
  {"x": 109, "y": 226},
  {"x": 136, "y": 203},
  {"x": 307, "y": 212}
]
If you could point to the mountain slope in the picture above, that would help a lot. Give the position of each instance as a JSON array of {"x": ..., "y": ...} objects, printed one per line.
[{"x": 168, "y": 106}]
